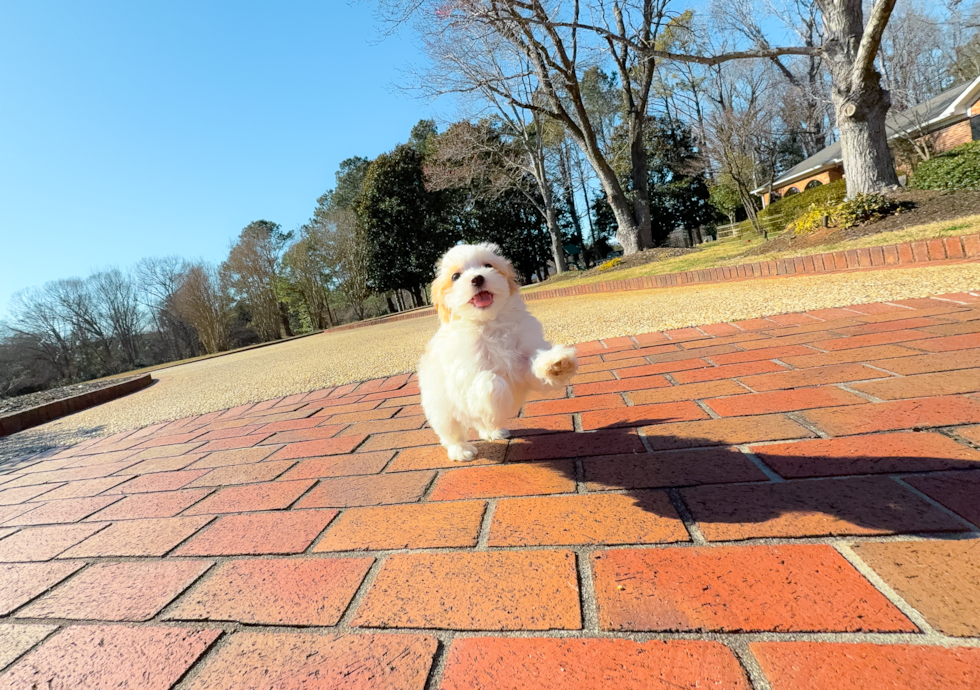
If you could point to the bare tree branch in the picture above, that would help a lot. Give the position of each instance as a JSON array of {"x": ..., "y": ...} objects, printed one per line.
[{"x": 868, "y": 48}]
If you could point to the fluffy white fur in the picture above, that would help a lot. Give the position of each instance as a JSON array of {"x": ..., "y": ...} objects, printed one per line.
[{"x": 487, "y": 355}]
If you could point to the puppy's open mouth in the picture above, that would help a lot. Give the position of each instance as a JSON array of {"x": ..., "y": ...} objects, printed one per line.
[{"x": 482, "y": 299}]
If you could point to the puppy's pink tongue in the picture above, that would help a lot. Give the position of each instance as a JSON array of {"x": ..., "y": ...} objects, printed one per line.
[{"x": 482, "y": 299}]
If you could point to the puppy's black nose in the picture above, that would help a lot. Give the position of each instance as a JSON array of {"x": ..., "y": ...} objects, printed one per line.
[{"x": 478, "y": 281}]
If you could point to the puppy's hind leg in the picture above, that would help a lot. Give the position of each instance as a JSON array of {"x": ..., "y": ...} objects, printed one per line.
[
  {"x": 452, "y": 436},
  {"x": 493, "y": 434},
  {"x": 497, "y": 399}
]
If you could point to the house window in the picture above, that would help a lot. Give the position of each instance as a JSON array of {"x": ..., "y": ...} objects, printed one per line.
[
  {"x": 813, "y": 183},
  {"x": 791, "y": 191},
  {"x": 774, "y": 197}
]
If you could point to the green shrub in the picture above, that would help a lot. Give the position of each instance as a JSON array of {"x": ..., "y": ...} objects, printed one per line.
[
  {"x": 793, "y": 206},
  {"x": 867, "y": 207},
  {"x": 958, "y": 168}
]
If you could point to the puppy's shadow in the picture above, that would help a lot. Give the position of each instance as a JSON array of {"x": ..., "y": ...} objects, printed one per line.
[{"x": 722, "y": 486}]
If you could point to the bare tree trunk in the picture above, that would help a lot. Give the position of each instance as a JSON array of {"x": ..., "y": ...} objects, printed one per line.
[
  {"x": 585, "y": 194},
  {"x": 285, "y": 329},
  {"x": 749, "y": 205},
  {"x": 627, "y": 232},
  {"x": 867, "y": 158},
  {"x": 557, "y": 249},
  {"x": 860, "y": 101},
  {"x": 550, "y": 213},
  {"x": 641, "y": 186},
  {"x": 569, "y": 189}
]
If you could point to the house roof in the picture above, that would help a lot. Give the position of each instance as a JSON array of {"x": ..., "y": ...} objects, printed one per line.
[{"x": 922, "y": 118}]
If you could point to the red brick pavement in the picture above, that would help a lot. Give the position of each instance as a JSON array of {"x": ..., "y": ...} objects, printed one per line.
[{"x": 779, "y": 503}]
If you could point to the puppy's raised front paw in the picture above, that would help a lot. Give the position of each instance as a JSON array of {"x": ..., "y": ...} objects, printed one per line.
[
  {"x": 557, "y": 365},
  {"x": 463, "y": 452},
  {"x": 562, "y": 368}
]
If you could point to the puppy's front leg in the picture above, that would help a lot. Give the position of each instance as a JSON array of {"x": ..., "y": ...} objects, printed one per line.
[
  {"x": 452, "y": 436},
  {"x": 556, "y": 366}
]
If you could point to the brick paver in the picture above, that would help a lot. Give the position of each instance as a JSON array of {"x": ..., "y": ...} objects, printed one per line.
[
  {"x": 434, "y": 457},
  {"x": 531, "y": 590},
  {"x": 93, "y": 656},
  {"x": 151, "y": 505},
  {"x": 340, "y": 465},
  {"x": 150, "y": 537},
  {"x": 348, "y": 492},
  {"x": 723, "y": 432},
  {"x": 242, "y": 474},
  {"x": 426, "y": 526},
  {"x": 672, "y": 468},
  {"x": 259, "y": 533},
  {"x": 872, "y": 454},
  {"x": 753, "y": 588},
  {"x": 309, "y": 591},
  {"x": 294, "y": 661},
  {"x": 520, "y": 479},
  {"x": 645, "y": 517},
  {"x": 817, "y": 665},
  {"x": 813, "y": 509},
  {"x": 44, "y": 543},
  {"x": 66, "y": 510},
  {"x": 131, "y": 591},
  {"x": 941, "y": 579},
  {"x": 900, "y": 414},
  {"x": 21, "y": 582},
  {"x": 158, "y": 481},
  {"x": 489, "y": 663},
  {"x": 765, "y": 480},
  {"x": 17, "y": 639},
  {"x": 958, "y": 492},
  {"x": 266, "y": 496}
]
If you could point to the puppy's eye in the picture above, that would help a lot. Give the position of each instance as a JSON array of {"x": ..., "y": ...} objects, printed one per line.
[
  {"x": 488, "y": 265},
  {"x": 455, "y": 277}
]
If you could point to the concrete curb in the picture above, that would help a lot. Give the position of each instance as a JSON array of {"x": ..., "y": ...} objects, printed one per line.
[
  {"x": 35, "y": 416},
  {"x": 944, "y": 250}
]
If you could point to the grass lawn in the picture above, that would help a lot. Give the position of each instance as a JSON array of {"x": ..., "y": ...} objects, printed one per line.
[{"x": 730, "y": 252}]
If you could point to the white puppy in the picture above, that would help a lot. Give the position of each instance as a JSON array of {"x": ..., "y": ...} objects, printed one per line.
[{"x": 488, "y": 353}]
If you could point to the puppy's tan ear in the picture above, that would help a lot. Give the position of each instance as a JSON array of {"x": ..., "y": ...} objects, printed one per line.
[
  {"x": 507, "y": 269},
  {"x": 440, "y": 286}
]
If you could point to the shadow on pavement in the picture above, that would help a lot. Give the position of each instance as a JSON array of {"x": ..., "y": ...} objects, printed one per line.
[{"x": 778, "y": 490}]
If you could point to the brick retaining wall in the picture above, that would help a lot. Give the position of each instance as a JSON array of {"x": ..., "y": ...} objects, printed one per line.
[{"x": 35, "y": 416}]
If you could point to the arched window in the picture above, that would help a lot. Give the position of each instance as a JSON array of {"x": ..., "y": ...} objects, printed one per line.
[
  {"x": 774, "y": 197},
  {"x": 791, "y": 191},
  {"x": 813, "y": 183}
]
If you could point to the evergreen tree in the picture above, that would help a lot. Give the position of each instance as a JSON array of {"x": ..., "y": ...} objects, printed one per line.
[{"x": 408, "y": 227}]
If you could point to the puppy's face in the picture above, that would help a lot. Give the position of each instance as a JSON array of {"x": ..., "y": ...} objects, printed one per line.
[{"x": 474, "y": 282}]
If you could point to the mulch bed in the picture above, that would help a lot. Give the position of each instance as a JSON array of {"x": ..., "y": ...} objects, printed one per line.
[
  {"x": 23, "y": 402},
  {"x": 645, "y": 257},
  {"x": 932, "y": 206}
]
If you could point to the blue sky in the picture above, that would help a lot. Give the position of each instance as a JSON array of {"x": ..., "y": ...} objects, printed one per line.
[{"x": 132, "y": 129}]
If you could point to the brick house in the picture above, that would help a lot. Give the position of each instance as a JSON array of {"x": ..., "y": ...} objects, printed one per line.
[{"x": 941, "y": 123}]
